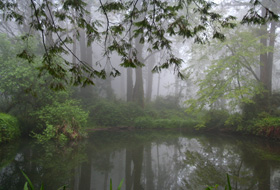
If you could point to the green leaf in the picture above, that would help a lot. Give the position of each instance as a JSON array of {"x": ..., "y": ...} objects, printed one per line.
[
  {"x": 120, "y": 185},
  {"x": 42, "y": 187},
  {"x": 28, "y": 180},
  {"x": 25, "y": 186},
  {"x": 228, "y": 181}
]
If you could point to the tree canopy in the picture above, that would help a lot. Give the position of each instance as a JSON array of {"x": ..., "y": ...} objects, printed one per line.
[{"x": 115, "y": 24}]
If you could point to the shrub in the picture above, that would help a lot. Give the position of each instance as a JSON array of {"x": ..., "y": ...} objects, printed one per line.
[
  {"x": 216, "y": 118},
  {"x": 266, "y": 125},
  {"x": 112, "y": 114},
  {"x": 148, "y": 122},
  {"x": 234, "y": 121},
  {"x": 62, "y": 121},
  {"x": 58, "y": 113},
  {"x": 167, "y": 102},
  {"x": 9, "y": 128},
  {"x": 144, "y": 122}
]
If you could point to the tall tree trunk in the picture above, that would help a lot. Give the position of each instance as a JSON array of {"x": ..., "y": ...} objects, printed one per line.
[
  {"x": 108, "y": 85},
  {"x": 74, "y": 49},
  {"x": 48, "y": 35},
  {"x": 149, "y": 89},
  {"x": 270, "y": 54},
  {"x": 138, "y": 91},
  {"x": 83, "y": 46},
  {"x": 129, "y": 85},
  {"x": 158, "y": 84},
  {"x": 266, "y": 60},
  {"x": 85, "y": 57}
]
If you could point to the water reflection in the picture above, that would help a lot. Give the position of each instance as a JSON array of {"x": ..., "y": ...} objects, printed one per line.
[{"x": 147, "y": 160}]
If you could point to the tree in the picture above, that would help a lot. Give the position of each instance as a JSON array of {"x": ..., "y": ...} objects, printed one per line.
[
  {"x": 160, "y": 20},
  {"x": 29, "y": 98},
  {"x": 231, "y": 74}
]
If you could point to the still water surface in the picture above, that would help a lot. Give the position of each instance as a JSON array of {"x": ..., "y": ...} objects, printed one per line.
[{"x": 150, "y": 160}]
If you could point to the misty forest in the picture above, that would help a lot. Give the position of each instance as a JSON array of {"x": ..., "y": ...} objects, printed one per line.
[{"x": 139, "y": 94}]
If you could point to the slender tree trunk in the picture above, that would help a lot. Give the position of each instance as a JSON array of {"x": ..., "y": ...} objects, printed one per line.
[
  {"x": 129, "y": 85},
  {"x": 85, "y": 57},
  {"x": 74, "y": 49},
  {"x": 83, "y": 46},
  {"x": 108, "y": 85},
  {"x": 138, "y": 91},
  {"x": 149, "y": 87},
  {"x": 270, "y": 55},
  {"x": 158, "y": 84},
  {"x": 49, "y": 38}
]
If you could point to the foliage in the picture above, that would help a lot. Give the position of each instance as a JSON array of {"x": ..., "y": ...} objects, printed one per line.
[
  {"x": 119, "y": 187},
  {"x": 112, "y": 114},
  {"x": 9, "y": 128},
  {"x": 22, "y": 92},
  {"x": 251, "y": 110},
  {"x": 227, "y": 187},
  {"x": 64, "y": 121},
  {"x": 29, "y": 186},
  {"x": 216, "y": 118},
  {"x": 264, "y": 125},
  {"x": 31, "y": 100},
  {"x": 7, "y": 153},
  {"x": 149, "y": 123},
  {"x": 230, "y": 77},
  {"x": 212, "y": 119},
  {"x": 68, "y": 110},
  {"x": 152, "y": 22},
  {"x": 168, "y": 102},
  {"x": 234, "y": 121}
]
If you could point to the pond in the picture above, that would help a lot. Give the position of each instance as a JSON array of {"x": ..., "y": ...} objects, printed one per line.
[{"x": 145, "y": 160}]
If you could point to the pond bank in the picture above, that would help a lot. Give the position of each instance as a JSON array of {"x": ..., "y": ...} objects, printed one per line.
[{"x": 206, "y": 130}]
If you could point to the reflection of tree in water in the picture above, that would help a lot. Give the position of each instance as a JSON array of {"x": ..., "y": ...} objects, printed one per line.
[
  {"x": 147, "y": 161},
  {"x": 50, "y": 164},
  {"x": 209, "y": 164},
  {"x": 134, "y": 162}
]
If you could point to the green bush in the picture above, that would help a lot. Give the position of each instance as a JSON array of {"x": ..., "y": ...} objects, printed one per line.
[
  {"x": 167, "y": 102},
  {"x": 113, "y": 114},
  {"x": 9, "y": 128},
  {"x": 144, "y": 122},
  {"x": 234, "y": 121},
  {"x": 216, "y": 118},
  {"x": 148, "y": 122},
  {"x": 265, "y": 125},
  {"x": 58, "y": 113},
  {"x": 62, "y": 121}
]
